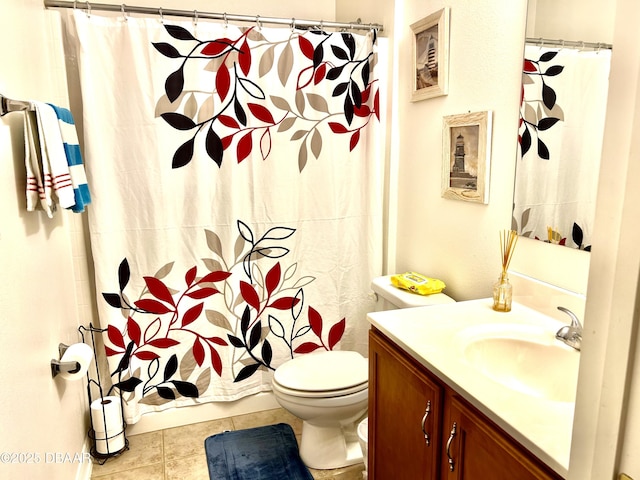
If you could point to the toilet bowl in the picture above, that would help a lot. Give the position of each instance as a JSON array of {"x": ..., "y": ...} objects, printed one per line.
[{"x": 329, "y": 390}]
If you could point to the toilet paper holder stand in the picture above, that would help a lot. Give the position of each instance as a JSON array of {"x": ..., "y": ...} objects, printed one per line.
[
  {"x": 95, "y": 385},
  {"x": 58, "y": 367}
]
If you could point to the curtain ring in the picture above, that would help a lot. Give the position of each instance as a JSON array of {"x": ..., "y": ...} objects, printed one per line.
[
  {"x": 561, "y": 44},
  {"x": 582, "y": 45},
  {"x": 258, "y": 23},
  {"x": 124, "y": 13},
  {"x": 225, "y": 19},
  {"x": 322, "y": 25},
  {"x": 88, "y": 9},
  {"x": 293, "y": 24},
  {"x": 75, "y": 4},
  {"x": 195, "y": 18},
  {"x": 161, "y": 15}
]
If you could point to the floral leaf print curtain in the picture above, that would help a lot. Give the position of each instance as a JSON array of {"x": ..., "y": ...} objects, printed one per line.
[
  {"x": 561, "y": 123},
  {"x": 237, "y": 218},
  {"x": 236, "y": 117}
]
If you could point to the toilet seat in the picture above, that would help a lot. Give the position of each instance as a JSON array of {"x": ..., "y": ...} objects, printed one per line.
[
  {"x": 323, "y": 374},
  {"x": 319, "y": 393}
]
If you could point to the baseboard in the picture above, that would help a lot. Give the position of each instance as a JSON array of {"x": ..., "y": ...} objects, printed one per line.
[
  {"x": 85, "y": 468},
  {"x": 179, "y": 416}
]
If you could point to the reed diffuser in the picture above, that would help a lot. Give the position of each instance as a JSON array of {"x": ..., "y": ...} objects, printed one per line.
[{"x": 502, "y": 289}]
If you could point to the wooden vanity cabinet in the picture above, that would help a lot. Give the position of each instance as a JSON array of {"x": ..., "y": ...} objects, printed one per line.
[
  {"x": 463, "y": 443},
  {"x": 405, "y": 416},
  {"x": 480, "y": 450}
]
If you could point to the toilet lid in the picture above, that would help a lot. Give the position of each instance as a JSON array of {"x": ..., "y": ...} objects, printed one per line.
[
  {"x": 324, "y": 371},
  {"x": 331, "y": 394}
]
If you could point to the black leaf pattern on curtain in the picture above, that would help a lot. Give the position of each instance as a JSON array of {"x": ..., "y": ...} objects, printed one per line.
[{"x": 534, "y": 119}]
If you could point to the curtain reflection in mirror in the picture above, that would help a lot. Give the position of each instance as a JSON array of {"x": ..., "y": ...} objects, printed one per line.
[{"x": 564, "y": 96}]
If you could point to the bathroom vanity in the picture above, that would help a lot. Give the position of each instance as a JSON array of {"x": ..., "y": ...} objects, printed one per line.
[{"x": 454, "y": 394}]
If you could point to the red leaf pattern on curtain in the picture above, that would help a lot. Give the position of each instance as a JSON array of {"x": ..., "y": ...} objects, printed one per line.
[
  {"x": 159, "y": 290},
  {"x": 133, "y": 330},
  {"x": 223, "y": 81},
  {"x": 250, "y": 295}
]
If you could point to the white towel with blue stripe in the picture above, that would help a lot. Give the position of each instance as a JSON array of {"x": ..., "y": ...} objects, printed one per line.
[
  {"x": 48, "y": 160},
  {"x": 55, "y": 173},
  {"x": 74, "y": 158}
]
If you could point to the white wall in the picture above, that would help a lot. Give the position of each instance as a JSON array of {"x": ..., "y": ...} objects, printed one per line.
[
  {"x": 41, "y": 416},
  {"x": 453, "y": 240},
  {"x": 577, "y": 20}
]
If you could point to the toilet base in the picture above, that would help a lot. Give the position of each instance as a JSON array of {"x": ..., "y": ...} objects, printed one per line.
[{"x": 325, "y": 448}]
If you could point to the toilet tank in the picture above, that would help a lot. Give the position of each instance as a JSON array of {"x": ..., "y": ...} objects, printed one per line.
[{"x": 392, "y": 298}]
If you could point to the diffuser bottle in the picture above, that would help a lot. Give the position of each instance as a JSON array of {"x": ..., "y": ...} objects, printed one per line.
[
  {"x": 502, "y": 293},
  {"x": 502, "y": 289}
]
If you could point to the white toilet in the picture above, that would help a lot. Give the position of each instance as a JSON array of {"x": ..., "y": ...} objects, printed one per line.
[{"x": 329, "y": 390}]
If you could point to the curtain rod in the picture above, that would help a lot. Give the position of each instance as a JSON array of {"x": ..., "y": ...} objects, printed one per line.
[
  {"x": 88, "y": 6},
  {"x": 568, "y": 43}
]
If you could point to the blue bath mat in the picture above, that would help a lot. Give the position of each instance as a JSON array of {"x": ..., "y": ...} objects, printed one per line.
[{"x": 262, "y": 453}]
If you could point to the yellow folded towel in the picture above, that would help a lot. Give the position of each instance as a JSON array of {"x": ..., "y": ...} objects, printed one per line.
[{"x": 417, "y": 283}]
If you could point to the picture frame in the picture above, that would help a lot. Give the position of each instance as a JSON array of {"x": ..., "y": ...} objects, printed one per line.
[
  {"x": 430, "y": 76},
  {"x": 466, "y": 151}
]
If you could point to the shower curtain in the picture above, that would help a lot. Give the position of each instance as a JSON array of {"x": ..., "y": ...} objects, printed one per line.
[
  {"x": 237, "y": 182},
  {"x": 564, "y": 97}
]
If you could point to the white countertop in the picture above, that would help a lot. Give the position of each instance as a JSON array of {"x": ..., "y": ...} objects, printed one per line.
[{"x": 431, "y": 335}]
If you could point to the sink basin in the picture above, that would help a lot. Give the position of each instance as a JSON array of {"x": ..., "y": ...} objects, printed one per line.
[{"x": 525, "y": 358}]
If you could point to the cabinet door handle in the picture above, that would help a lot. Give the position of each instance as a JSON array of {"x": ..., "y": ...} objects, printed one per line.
[
  {"x": 451, "y": 437},
  {"x": 424, "y": 421}
]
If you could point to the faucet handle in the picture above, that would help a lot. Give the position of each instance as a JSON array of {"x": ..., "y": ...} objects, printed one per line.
[
  {"x": 570, "y": 334},
  {"x": 575, "y": 323}
]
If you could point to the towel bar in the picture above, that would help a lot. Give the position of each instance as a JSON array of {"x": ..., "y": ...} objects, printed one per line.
[{"x": 8, "y": 105}]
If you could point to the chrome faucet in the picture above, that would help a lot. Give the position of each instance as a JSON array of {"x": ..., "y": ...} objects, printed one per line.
[{"x": 570, "y": 334}]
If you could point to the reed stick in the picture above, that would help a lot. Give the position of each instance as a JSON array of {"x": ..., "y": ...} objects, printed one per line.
[{"x": 508, "y": 240}]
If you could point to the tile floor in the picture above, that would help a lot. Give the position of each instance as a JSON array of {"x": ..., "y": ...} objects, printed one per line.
[{"x": 178, "y": 453}]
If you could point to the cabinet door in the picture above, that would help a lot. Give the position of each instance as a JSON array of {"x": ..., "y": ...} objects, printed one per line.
[
  {"x": 474, "y": 449},
  {"x": 402, "y": 402}
]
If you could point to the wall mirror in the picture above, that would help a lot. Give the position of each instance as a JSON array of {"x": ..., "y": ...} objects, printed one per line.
[{"x": 564, "y": 92}]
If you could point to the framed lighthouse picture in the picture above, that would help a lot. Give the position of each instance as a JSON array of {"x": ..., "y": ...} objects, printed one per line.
[
  {"x": 430, "y": 74},
  {"x": 466, "y": 150}
]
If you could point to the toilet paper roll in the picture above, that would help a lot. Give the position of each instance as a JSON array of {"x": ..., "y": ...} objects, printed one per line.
[
  {"x": 106, "y": 415},
  {"x": 81, "y": 353},
  {"x": 106, "y": 445}
]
